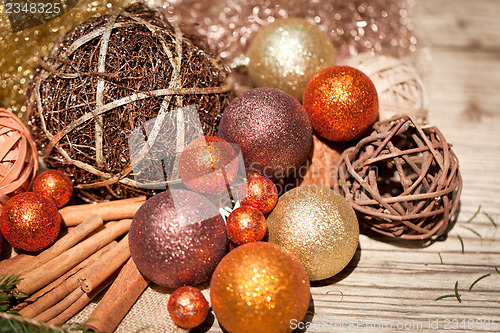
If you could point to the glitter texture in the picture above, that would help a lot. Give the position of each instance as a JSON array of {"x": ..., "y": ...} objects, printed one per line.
[
  {"x": 55, "y": 185},
  {"x": 259, "y": 192},
  {"x": 177, "y": 238},
  {"x": 287, "y": 53},
  {"x": 318, "y": 226},
  {"x": 342, "y": 103},
  {"x": 272, "y": 130},
  {"x": 259, "y": 287},
  {"x": 246, "y": 224},
  {"x": 188, "y": 307},
  {"x": 30, "y": 221}
]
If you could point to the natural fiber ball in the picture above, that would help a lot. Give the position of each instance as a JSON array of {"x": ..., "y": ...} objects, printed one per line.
[
  {"x": 272, "y": 130},
  {"x": 111, "y": 84},
  {"x": 30, "y": 221},
  {"x": 259, "y": 287},
  {"x": 18, "y": 157},
  {"x": 341, "y": 102},
  {"x": 400, "y": 89},
  {"x": 287, "y": 53},
  {"x": 188, "y": 307},
  {"x": 318, "y": 226},
  {"x": 177, "y": 238},
  {"x": 55, "y": 185},
  {"x": 246, "y": 224},
  {"x": 403, "y": 180},
  {"x": 259, "y": 192}
]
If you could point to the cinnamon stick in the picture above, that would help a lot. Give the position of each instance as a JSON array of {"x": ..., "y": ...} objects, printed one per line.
[
  {"x": 58, "y": 308},
  {"x": 118, "y": 300},
  {"x": 108, "y": 211},
  {"x": 51, "y": 270},
  {"x": 14, "y": 264}
]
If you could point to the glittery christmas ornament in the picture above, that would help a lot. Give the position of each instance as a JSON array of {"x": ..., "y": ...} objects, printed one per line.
[
  {"x": 342, "y": 103},
  {"x": 54, "y": 184},
  {"x": 177, "y": 238},
  {"x": 188, "y": 307},
  {"x": 259, "y": 287},
  {"x": 246, "y": 224},
  {"x": 208, "y": 165},
  {"x": 30, "y": 221},
  {"x": 318, "y": 226},
  {"x": 259, "y": 192},
  {"x": 272, "y": 130},
  {"x": 287, "y": 53}
]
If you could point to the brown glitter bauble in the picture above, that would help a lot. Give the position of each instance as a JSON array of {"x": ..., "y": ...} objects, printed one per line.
[
  {"x": 342, "y": 103},
  {"x": 208, "y": 165},
  {"x": 177, "y": 238},
  {"x": 259, "y": 192},
  {"x": 30, "y": 221},
  {"x": 318, "y": 226},
  {"x": 54, "y": 184},
  {"x": 246, "y": 224},
  {"x": 272, "y": 130},
  {"x": 188, "y": 307},
  {"x": 126, "y": 79},
  {"x": 259, "y": 287},
  {"x": 18, "y": 157}
]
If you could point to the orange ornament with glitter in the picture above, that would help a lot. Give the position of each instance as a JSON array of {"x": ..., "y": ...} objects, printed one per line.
[
  {"x": 54, "y": 184},
  {"x": 342, "y": 103}
]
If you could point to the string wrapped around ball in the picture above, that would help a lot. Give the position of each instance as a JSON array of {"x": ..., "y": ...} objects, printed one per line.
[
  {"x": 403, "y": 180},
  {"x": 18, "y": 157},
  {"x": 108, "y": 79}
]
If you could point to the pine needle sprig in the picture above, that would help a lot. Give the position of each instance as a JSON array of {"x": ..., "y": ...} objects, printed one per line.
[
  {"x": 11, "y": 323},
  {"x": 8, "y": 292}
]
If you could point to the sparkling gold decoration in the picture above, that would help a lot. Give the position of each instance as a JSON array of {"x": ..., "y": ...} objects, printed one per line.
[
  {"x": 286, "y": 54},
  {"x": 318, "y": 226}
]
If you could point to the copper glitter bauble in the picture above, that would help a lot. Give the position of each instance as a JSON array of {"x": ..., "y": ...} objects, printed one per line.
[
  {"x": 246, "y": 224},
  {"x": 272, "y": 130},
  {"x": 54, "y": 184},
  {"x": 30, "y": 221},
  {"x": 177, "y": 238},
  {"x": 259, "y": 192},
  {"x": 342, "y": 103},
  {"x": 188, "y": 307},
  {"x": 259, "y": 287},
  {"x": 287, "y": 53},
  {"x": 208, "y": 165},
  {"x": 318, "y": 226}
]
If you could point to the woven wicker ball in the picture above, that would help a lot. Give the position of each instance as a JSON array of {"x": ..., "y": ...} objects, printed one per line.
[
  {"x": 109, "y": 104},
  {"x": 400, "y": 89},
  {"x": 18, "y": 157},
  {"x": 402, "y": 180}
]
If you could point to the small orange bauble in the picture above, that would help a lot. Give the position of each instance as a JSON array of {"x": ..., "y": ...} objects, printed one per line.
[
  {"x": 246, "y": 224},
  {"x": 188, "y": 307},
  {"x": 259, "y": 192},
  {"x": 54, "y": 184},
  {"x": 342, "y": 103}
]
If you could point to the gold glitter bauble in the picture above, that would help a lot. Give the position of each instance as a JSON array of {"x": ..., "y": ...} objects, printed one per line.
[
  {"x": 259, "y": 287},
  {"x": 286, "y": 54},
  {"x": 318, "y": 226}
]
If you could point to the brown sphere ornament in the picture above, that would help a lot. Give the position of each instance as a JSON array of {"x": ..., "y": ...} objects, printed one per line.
[
  {"x": 188, "y": 307},
  {"x": 259, "y": 287},
  {"x": 342, "y": 103},
  {"x": 259, "y": 192},
  {"x": 54, "y": 184},
  {"x": 30, "y": 221},
  {"x": 318, "y": 226},
  {"x": 287, "y": 53},
  {"x": 272, "y": 130},
  {"x": 177, "y": 238},
  {"x": 246, "y": 224}
]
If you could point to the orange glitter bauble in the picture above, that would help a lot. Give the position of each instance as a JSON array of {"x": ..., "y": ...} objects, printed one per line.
[
  {"x": 246, "y": 224},
  {"x": 188, "y": 307},
  {"x": 259, "y": 287},
  {"x": 54, "y": 184},
  {"x": 342, "y": 103},
  {"x": 259, "y": 192},
  {"x": 30, "y": 222}
]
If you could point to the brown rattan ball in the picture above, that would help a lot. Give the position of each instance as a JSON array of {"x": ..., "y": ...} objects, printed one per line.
[
  {"x": 18, "y": 157},
  {"x": 402, "y": 180},
  {"x": 114, "y": 82}
]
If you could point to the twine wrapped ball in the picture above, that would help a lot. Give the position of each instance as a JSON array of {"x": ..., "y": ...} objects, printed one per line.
[
  {"x": 114, "y": 83},
  {"x": 18, "y": 157},
  {"x": 400, "y": 89},
  {"x": 403, "y": 180}
]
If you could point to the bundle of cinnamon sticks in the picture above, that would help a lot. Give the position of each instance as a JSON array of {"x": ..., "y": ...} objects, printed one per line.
[{"x": 87, "y": 258}]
